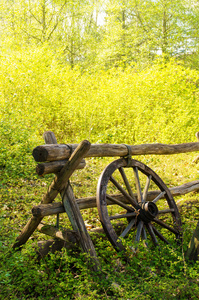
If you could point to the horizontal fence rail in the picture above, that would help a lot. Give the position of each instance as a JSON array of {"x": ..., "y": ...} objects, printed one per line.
[{"x": 53, "y": 152}]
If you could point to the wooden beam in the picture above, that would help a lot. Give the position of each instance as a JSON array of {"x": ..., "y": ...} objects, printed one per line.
[
  {"x": 43, "y": 210},
  {"x": 61, "y": 180},
  {"x": 90, "y": 202},
  {"x": 61, "y": 151},
  {"x": 72, "y": 208},
  {"x": 55, "y": 167},
  {"x": 79, "y": 226}
]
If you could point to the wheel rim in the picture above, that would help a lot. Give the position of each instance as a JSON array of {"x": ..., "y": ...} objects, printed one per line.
[{"x": 126, "y": 193}]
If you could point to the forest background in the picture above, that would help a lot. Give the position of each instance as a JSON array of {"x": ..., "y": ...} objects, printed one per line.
[{"x": 111, "y": 72}]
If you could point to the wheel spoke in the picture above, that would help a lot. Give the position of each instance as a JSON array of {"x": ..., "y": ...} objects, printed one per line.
[
  {"x": 111, "y": 198},
  {"x": 165, "y": 226},
  {"x": 139, "y": 231},
  {"x": 128, "y": 228},
  {"x": 152, "y": 234},
  {"x": 146, "y": 188},
  {"x": 137, "y": 182},
  {"x": 120, "y": 188},
  {"x": 159, "y": 196},
  {"x": 121, "y": 170},
  {"x": 144, "y": 236},
  {"x": 160, "y": 235},
  {"x": 128, "y": 215},
  {"x": 165, "y": 211}
]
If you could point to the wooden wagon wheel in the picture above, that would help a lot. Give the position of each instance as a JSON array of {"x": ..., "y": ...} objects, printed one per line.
[{"x": 145, "y": 214}]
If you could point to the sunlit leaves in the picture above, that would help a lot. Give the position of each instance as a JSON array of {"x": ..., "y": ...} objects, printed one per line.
[
  {"x": 104, "y": 34},
  {"x": 115, "y": 106}
]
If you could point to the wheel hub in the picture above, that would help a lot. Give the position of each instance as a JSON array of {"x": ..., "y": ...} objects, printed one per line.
[{"x": 148, "y": 211}]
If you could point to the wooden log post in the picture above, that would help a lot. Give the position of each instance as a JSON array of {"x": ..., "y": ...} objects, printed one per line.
[
  {"x": 58, "y": 185},
  {"x": 197, "y": 135},
  {"x": 192, "y": 252},
  {"x": 196, "y": 160},
  {"x": 72, "y": 208}
]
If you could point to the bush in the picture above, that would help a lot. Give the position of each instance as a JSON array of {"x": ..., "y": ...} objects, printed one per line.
[{"x": 158, "y": 104}]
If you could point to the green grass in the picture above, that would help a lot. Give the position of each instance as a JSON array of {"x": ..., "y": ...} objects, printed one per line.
[
  {"x": 150, "y": 274},
  {"x": 159, "y": 104}
]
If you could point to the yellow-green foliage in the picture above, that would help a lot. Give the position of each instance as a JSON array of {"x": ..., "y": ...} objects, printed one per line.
[{"x": 39, "y": 93}]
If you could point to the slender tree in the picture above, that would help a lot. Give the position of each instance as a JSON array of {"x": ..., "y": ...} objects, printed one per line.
[
  {"x": 96, "y": 33},
  {"x": 140, "y": 30}
]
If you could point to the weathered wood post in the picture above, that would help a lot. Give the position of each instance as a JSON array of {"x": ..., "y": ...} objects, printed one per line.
[
  {"x": 197, "y": 158},
  {"x": 72, "y": 208},
  {"x": 192, "y": 252}
]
